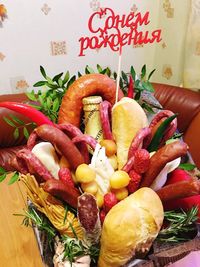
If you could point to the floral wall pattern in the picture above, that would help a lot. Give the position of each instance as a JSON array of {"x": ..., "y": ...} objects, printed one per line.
[{"x": 34, "y": 33}]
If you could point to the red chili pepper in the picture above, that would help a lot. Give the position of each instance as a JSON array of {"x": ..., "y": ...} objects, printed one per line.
[
  {"x": 33, "y": 114},
  {"x": 130, "y": 88}
]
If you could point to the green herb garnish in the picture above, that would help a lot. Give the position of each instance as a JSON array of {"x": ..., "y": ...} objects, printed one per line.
[
  {"x": 187, "y": 166},
  {"x": 180, "y": 225},
  {"x": 3, "y": 174}
]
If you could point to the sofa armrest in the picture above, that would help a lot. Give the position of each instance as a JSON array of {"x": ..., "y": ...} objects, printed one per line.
[
  {"x": 183, "y": 101},
  {"x": 191, "y": 137}
]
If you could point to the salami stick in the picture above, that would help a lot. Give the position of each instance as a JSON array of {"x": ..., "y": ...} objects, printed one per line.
[
  {"x": 158, "y": 161},
  {"x": 179, "y": 190},
  {"x": 88, "y": 215}
]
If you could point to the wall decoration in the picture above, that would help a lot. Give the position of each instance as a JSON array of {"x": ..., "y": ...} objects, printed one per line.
[
  {"x": 95, "y": 5},
  {"x": 2, "y": 56},
  {"x": 197, "y": 49},
  {"x": 58, "y": 48},
  {"x": 167, "y": 71},
  {"x": 46, "y": 9},
  {"x": 168, "y": 9},
  {"x": 134, "y": 8},
  {"x": 164, "y": 45},
  {"x": 19, "y": 84},
  {"x": 3, "y": 14}
]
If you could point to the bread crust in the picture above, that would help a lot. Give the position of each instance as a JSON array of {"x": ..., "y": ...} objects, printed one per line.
[{"x": 130, "y": 227}]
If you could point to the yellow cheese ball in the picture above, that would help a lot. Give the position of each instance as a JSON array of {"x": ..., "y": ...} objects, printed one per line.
[
  {"x": 119, "y": 179},
  {"x": 85, "y": 174},
  {"x": 110, "y": 146},
  {"x": 99, "y": 199},
  {"x": 121, "y": 193},
  {"x": 113, "y": 161},
  {"x": 91, "y": 187}
]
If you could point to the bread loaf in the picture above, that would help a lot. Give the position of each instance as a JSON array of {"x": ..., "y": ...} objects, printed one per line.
[
  {"x": 130, "y": 227},
  {"x": 128, "y": 118}
]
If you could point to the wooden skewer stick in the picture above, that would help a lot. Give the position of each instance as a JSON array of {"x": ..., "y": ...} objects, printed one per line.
[{"x": 118, "y": 74}]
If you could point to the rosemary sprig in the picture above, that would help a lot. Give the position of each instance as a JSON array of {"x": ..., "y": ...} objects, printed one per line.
[
  {"x": 181, "y": 224},
  {"x": 34, "y": 218},
  {"x": 75, "y": 248}
]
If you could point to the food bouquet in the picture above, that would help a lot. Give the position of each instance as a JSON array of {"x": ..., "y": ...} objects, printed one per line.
[{"x": 106, "y": 180}]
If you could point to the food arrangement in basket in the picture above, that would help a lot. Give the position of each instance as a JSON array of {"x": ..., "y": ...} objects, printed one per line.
[{"x": 101, "y": 178}]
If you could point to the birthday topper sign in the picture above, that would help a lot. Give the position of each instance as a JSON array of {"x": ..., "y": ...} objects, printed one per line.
[{"x": 117, "y": 31}]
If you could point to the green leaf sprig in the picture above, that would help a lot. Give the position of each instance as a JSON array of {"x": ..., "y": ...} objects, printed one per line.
[
  {"x": 159, "y": 133},
  {"x": 3, "y": 174},
  {"x": 18, "y": 124},
  {"x": 187, "y": 166},
  {"x": 180, "y": 225},
  {"x": 49, "y": 100}
]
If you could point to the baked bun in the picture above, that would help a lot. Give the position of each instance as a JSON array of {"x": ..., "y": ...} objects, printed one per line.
[
  {"x": 130, "y": 227},
  {"x": 128, "y": 118}
]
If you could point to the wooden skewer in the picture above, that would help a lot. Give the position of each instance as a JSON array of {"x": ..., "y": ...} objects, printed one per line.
[{"x": 118, "y": 74}]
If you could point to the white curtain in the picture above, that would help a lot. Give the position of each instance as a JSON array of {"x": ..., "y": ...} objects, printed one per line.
[{"x": 191, "y": 72}]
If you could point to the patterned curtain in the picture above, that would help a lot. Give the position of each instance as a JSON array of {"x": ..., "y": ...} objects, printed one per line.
[{"x": 191, "y": 72}]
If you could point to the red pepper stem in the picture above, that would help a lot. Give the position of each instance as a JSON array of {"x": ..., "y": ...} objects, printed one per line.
[
  {"x": 33, "y": 114},
  {"x": 130, "y": 88}
]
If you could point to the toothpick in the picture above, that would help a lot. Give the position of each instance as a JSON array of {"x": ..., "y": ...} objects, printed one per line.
[{"x": 118, "y": 74}]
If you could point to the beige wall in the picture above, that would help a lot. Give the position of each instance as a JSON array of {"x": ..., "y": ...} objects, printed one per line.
[
  {"x": 33, "y": 27},
  {"x": 169, "y": 55}
]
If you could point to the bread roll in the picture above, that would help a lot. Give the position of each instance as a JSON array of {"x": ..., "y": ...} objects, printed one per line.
[
  {"x": 130, "y": 227},
  {"x": 128, "y": 118}
]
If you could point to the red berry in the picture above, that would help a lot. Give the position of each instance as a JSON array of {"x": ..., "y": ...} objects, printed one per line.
[
  {"x": 110, "y": 200},
  {"x": 178, "y": 175},
  {"x": 141, "y": 160},
  {"x": 65, "y": 176},
  {"x": 134, "y": 183},
  {"x": 102, "y": 216}
]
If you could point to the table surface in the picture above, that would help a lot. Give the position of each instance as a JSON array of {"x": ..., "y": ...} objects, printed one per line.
[{"x": 18, "y": 246}]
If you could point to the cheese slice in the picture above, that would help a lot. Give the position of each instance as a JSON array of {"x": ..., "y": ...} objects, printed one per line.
[{"x": 46, "y": 153}]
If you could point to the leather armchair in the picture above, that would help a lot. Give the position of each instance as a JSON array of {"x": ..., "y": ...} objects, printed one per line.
[{"x": 179, "y": 100}]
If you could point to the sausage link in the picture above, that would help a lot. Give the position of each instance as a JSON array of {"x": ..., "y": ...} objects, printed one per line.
[
  {"x": 84, "y": 138},
  {"x": 158, "y": 161},
  {"x": 158, "y": 118},
  {"x": 59, "y": 189},
  {"x": 179, "y": 190},
  {"x": 87, "y": 85},
  {"x": 62, "y": 142},
  {"x": 28, "y": 161},
  {"x": 105, "y": 112},
  {"x": 73, "y": 131},
  {"x": 142, "y": 137}
]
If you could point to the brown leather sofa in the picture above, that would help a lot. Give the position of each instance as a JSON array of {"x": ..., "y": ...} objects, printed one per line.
[{"x": 179, "y": 100}]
